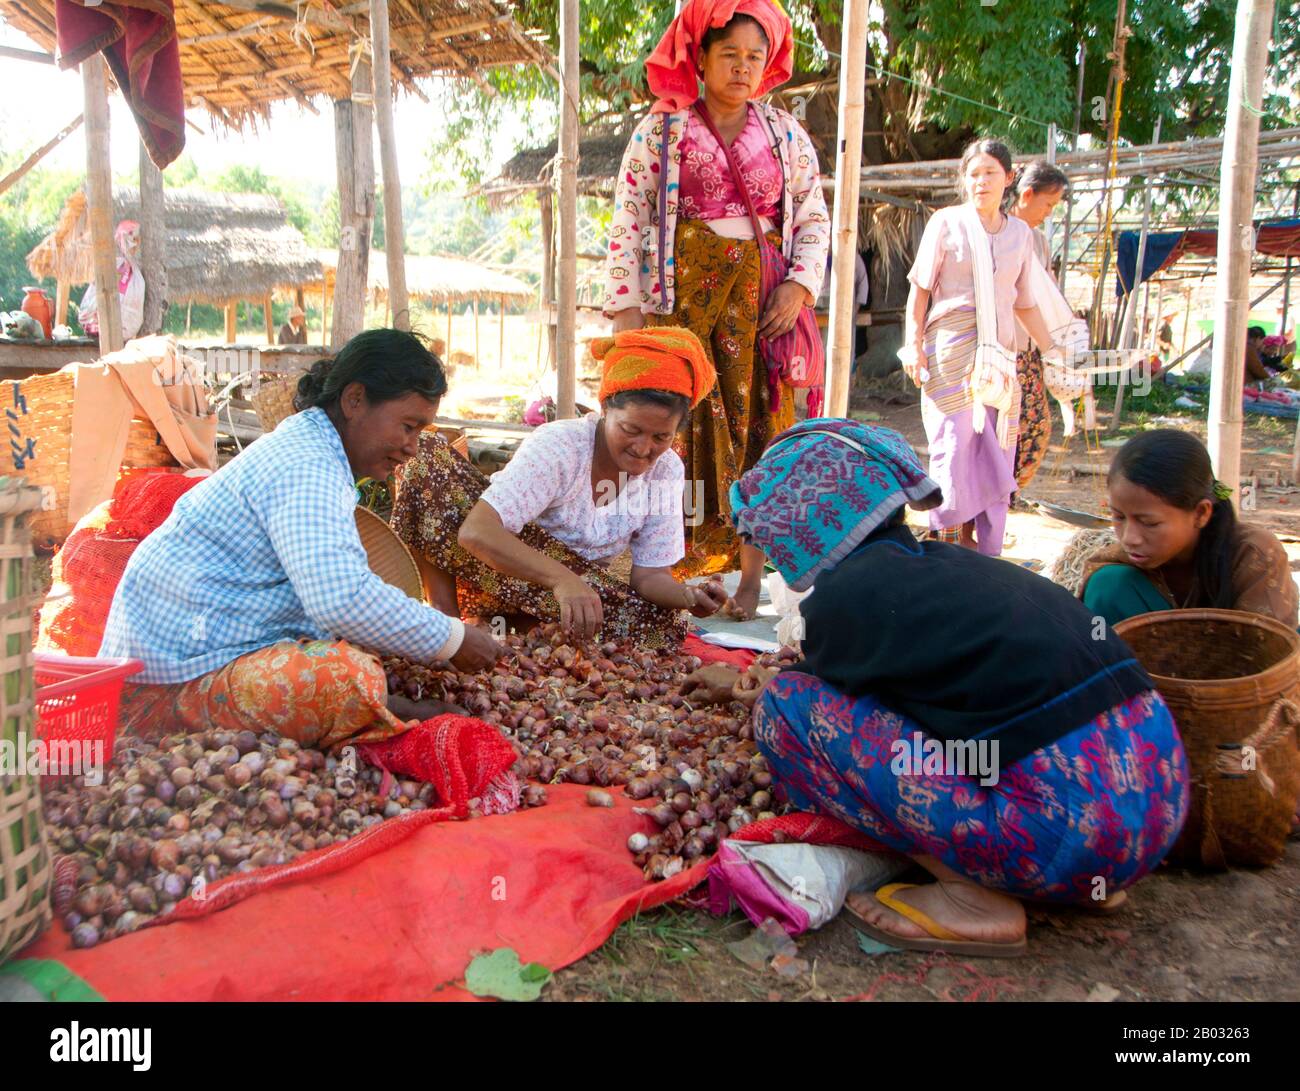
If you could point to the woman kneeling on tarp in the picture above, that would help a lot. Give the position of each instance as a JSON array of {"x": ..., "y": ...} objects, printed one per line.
[
  {"x": 954, "y": 707},
  {"x": 1180, "y": 542},
  {"x": 533, "y": 543},
  {"x": 250, "y": 605}
]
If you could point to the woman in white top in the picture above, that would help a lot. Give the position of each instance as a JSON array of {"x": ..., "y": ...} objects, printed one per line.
[
  {"x": 535, "y": 541},
  {"x": 971, "y": 457}
]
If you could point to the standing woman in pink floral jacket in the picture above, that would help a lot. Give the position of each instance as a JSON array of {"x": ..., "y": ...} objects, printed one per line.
[{"x": 682, "y": 249}]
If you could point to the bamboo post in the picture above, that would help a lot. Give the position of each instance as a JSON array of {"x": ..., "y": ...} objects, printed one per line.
[
  {"x": 548, "y": 271},
  {"x": 1187, "y": 321},
  {"x": 62, "y": 294},
  {"x": 99, "y": 203},
  {"x": 189, "y": 313},
  {"x": 1236, "y": 236},
  {"x": 232, "y": 322},
  {"x": 1286, "y": 292},
  {"x": 1124, "y": 342},
  {"x": 848, "y": 180},
  {"x": 153, "y": 243},
  {"x": 566, "y": 171},
  {"x": 356, "y": 178},
  {"x": 449, "y": 328},
  {"x": 1050, "y": 225},
  {"x": 394, "y": 234},
  {"x": 501, "y": 334},
  {"x": 1082, "y": 56},
  {"x": 268, "y": 319},
  {"x": 477, "y": 358}
]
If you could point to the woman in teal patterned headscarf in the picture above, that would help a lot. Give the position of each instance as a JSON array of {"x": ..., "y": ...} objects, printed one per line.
[{"x": 953, "y": 707}]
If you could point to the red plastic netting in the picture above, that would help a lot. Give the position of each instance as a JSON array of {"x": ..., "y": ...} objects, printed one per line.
[
  {"x": 90, "y": 564},
  {"x": 812, "y": 829},
  {"x": 463, "y": 758}
]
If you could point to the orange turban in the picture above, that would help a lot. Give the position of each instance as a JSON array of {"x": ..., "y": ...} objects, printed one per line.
[{"x": 667, "y": 358}]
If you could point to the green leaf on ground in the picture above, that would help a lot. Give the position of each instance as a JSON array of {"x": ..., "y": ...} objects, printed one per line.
[{"x": 500, "y": 974}]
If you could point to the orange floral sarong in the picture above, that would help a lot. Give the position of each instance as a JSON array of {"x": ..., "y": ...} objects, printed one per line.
[
  {"x": 717, "y": 300},
  {"x": 321, "y": 693}
]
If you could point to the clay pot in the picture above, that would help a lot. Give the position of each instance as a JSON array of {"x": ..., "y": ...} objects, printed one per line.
[{"x": 38, "y": 305}]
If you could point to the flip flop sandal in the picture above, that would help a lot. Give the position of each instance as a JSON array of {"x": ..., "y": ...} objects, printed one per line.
[{"x": 940, "y": 938}]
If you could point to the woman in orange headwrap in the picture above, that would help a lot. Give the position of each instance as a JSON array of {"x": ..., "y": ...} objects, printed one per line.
[
  {"x": 535, "y": 541},
  {"x": 682, "y": 250}
]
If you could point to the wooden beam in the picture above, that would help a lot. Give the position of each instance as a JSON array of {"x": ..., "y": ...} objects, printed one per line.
[
  {"x": 546, "y": 201},
  {"x": 268, "y": 319},
  {"x": 356, "y": 179},
  {"x": 1236, "y": 236},
  {"x": 566, "y": 186},
  {"x": 844, "y": 245},
  {"x": 394, "y": 233},
  {"x": 62, "y": 292},
  {"x": 232, "y": 322},
  {"x": 34, "y": 55},
  {"x": 99, "y": 203},
  {"x": 39, "y": 154},
  {"x": 153, "y": 244}
]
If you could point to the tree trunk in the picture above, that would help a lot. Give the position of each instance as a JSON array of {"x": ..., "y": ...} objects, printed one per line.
[
  {"x": 153, "y": 244},
  {"x": 353, "y": 148}
]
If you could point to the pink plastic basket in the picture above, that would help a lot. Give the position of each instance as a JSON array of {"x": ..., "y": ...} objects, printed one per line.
[{"x": 76, "y": 702}]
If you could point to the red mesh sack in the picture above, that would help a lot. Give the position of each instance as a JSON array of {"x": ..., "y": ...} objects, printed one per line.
[
  {"x": 461, "y": 757},
  {"x": 89, "y": 566},
  {"x": 812, "y": 829}
]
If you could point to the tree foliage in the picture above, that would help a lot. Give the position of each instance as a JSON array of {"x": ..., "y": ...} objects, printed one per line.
[{"x": 941, "y": 71}]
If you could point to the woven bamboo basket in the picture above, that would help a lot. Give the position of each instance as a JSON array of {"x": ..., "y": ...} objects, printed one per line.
[
  {"x": 273, "y": 401},
  {"x": 1232, "y": 682},
  {"x": 25, "y": 873},
  {"x": 40, "y": 408}
]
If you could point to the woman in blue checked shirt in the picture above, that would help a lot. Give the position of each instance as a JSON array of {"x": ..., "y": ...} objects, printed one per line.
[{"x": 251, "y": 604}]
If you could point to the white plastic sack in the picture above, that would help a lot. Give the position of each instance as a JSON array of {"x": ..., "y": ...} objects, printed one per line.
[
  {"x": 130, "y": 302},
  {"x": 798, "y": 885},
  {"x": 789, "y": 626}
]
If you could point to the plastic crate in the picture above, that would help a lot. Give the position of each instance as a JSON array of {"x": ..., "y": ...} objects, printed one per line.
[{"x": 77, "y": 702}]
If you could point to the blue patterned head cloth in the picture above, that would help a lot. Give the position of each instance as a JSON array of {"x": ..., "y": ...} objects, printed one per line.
[{"x": 820, "y": 488}]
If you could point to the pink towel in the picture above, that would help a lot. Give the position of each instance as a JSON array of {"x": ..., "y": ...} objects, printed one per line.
[{"x": 671, "y": 69}]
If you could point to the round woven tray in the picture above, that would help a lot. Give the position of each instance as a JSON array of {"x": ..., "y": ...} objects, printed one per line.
[{"x": 388, "y": 555}]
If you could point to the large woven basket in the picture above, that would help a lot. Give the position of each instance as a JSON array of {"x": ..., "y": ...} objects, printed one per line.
[
  {"x": 24, "y": 858},
  {"x": 273, "y": 400},
  {"x": 40, "y": 410},
  {"x": 389, "y": 557},
  {"x": 1232, "y": 682}
]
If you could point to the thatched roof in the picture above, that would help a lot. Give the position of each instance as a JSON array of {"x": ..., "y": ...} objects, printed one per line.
[
  {"x": 599, "y": 161},
  {"x": 221, "y": 247},
  {"x": 240, "y": 56},
  {"x": 439, "y": 277}
]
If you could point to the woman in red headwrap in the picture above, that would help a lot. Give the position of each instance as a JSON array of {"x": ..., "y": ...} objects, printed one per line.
[
  {"x": 536, "y": 540},
  {"x": 682, "y": 250}
]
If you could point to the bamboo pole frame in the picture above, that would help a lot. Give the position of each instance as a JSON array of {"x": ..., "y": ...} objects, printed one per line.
[
  {"x": 844, "y": 245},
  {"x": 566, "y": 171},
  {"x": 394, "y": 233},
  {"x": 501, "y": 333},
  {"x": 1236, "y": 236},
  {"x": 232, "y": 322},
  {"x": 99, "y": 202},
  {"x": 40, "y": 153},
  {"x": 153, "y": 243}
]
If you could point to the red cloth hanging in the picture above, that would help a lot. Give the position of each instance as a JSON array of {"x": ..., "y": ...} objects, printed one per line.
[{"x": 138, "y": 39}]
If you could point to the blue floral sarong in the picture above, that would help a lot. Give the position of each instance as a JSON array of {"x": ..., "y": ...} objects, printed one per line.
[{"x": 1106, "y": 801}]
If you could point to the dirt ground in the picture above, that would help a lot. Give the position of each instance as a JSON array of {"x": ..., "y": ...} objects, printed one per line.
[{"x": 1183, "y": 935}]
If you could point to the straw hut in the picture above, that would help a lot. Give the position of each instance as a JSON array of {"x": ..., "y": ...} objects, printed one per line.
[
  {"x": 599, "y": 160},
  {"x": 221, "y": 248},
  {"x": 445, "y": 281}
]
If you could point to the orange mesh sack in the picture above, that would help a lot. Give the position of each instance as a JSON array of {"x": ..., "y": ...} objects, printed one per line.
[{"x": 89, "y": 565}]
